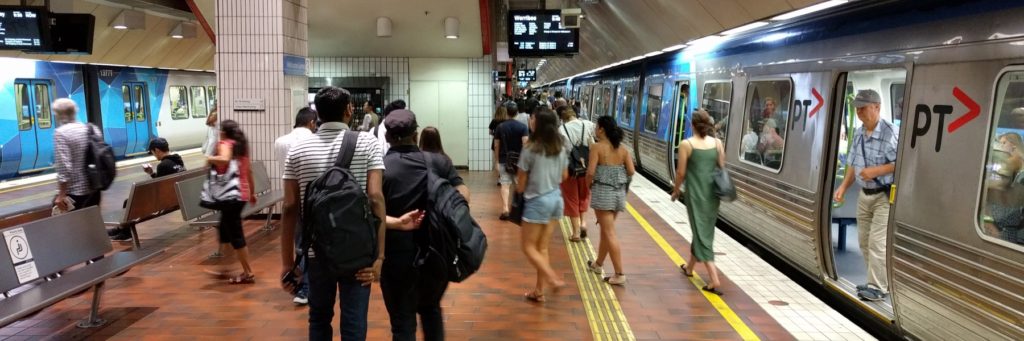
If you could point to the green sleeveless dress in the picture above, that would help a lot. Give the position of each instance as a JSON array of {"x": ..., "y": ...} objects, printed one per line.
[{"x": 702, "y": 203}]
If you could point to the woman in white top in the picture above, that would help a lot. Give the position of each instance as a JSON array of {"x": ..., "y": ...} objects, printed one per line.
[
  {"x": 575, "y": 191},
  {"x": 212, "y": 134}
]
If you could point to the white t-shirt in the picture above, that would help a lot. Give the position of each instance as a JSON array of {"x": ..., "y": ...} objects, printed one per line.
[
  {"x": 283, "y": 143},
  {"x": 750, "y": 142}
]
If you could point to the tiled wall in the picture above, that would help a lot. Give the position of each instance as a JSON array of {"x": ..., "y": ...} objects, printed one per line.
[
  {"x": 252, "y": 38},
  {"x": 395, "y": 68},
  {"x": 481, "y": 111}
]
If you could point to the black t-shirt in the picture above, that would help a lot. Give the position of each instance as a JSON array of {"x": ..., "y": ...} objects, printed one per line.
[
  {"x": 511, "y": 134},
  {"x": 405, "y": 189},
  {"x": 169, "y": 165}
]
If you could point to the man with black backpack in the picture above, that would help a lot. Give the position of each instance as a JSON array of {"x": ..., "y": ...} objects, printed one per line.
[
  {"x": 414, "y": 279},
  {"x": 83, "y": 170}
]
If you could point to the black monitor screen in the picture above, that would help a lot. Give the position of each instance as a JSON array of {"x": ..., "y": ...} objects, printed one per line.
[
  {"x": 21, "y": 28},
  {"x": 539, "y": 33},
  {"x": 526, "y": 75}
]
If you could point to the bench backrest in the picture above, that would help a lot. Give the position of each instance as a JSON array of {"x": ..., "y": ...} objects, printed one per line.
[
  {"x": 57, "y": 243},
  {"x": 260, "y": 178},
  {"x": 189, "y": 190},
  {"x": 26, "y": 215},
  {"x": 155, "y": 196}
]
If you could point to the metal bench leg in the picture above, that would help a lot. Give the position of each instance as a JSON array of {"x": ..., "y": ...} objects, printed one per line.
[
  {"x": 94, "y": 313},
  {"x": 136, "y": 245},
  {"x": 270, "y": 217}
]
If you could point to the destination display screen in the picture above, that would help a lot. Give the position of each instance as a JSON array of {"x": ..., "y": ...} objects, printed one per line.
[
  {"x": 526, "y": 75},
  {"x": 534, "y": 33},
  {"x": 21, "y": 28}
]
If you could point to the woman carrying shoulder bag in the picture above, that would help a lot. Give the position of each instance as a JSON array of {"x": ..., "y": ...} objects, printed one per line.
[
  {"x": 699, "y": 156},
  {"x": 233, "y": 155}
]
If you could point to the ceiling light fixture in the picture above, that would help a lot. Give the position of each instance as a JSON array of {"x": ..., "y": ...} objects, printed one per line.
[
  {"x": 129, "y": 20},
  {"x": 653, "y": 53},
  {"x": 745, "y": 28},
  {"x": 184, "y": 30},
  {"x": 451, "y": 28},
  {"x": 383, "y": 27},
  {"x": 809, "y": 9}
]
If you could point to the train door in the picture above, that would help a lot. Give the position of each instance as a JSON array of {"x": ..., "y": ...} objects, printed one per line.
[
  {"x": 857, "y": 253},
  {"x": 35, "y": 124},
  {"x": 679, "y": 114},
  {"x": 136, "y": 117}
]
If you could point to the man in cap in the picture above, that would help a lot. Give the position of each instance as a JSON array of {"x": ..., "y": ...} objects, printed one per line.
[
  {"x": 871, "y": 163},
  {"x": 410, "y": 286}
]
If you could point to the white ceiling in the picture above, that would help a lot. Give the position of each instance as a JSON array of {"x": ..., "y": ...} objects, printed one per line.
[{"x": 349, "y": 28}]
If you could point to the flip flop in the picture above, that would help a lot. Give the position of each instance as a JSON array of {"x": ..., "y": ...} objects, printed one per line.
[
  {"x": 534, "y": 297},
  {"x": 243, "y": 279},
  {"x": 713, "y": 290},
  {"x": 683, "y": 269},
  {"x": 575, "y": 239}
]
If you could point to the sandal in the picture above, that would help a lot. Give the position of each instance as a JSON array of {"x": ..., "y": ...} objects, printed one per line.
[
  {"x": 712, "y": 290},
  {"x": 535, "y": 297},
  {"x": 682, "y": 268},
  {"x": 618, "y": 279},
  {"x": 583, "y": 232},
  {"x": 575, "y": 239},
  {"x": 243, "y": 279}
]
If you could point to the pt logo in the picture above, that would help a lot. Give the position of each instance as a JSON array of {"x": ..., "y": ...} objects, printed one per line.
[
  {"x": 802, "y": 111},
  {"x": 923, "y": 118}
]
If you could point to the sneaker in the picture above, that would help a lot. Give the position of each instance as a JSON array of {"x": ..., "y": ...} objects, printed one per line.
[
  {"x": 862, "y": 287},
  {"x": 618, "y": 279},
  {"x": 872, "y": 294},
  {"x": 124, "y": 236},
  {"x": 593, "y": 267},
  {"x": 300, "y": 299}
]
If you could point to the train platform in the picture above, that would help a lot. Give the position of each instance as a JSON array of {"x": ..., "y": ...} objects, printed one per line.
[{"x": 172, "y": 297}]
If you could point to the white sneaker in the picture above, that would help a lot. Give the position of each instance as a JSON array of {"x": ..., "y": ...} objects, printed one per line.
[
  {"x": 594, "y": 267},
  {"x": 299, "y": 300},
  {"x": 616, "y": 280}
]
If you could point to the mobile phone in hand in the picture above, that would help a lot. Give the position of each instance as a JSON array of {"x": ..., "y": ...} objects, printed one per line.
[{"x": 146, "y": 166}]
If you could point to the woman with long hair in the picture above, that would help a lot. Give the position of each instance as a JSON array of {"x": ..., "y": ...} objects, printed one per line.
[
  {"x": 543, "y": 165},
  {"x": 699, "y": 155},
  {"x": 500, "y": 115},
  {"x": 233, "y": 145},
  {"x": 212, "y": 132},
  {"x": 608, "y": 176},
  {"x": 430, "y": 141}
]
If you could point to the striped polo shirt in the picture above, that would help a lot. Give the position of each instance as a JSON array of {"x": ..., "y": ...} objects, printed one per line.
[{"x": 311, "y": 156}]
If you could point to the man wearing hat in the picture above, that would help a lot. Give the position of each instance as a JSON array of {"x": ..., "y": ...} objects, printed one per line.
[
  {"x": 871, "y": 163},
  {"x": 410, "y": 285},
  {"x": 169, "y": 163}
]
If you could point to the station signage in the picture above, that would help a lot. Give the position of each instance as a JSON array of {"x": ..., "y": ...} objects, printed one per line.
[
  {"x": 526, "y": 75},
  {"x": 21, "y": 28},
  {"x": 540, "y": 33}
]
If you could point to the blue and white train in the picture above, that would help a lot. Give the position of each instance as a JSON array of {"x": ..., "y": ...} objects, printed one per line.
[{"x": 132, "y": 105}]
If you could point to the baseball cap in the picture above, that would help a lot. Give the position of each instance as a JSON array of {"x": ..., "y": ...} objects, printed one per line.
[
  {"x": 400, "y": 123},
  {"x": 865, "y": 97}
]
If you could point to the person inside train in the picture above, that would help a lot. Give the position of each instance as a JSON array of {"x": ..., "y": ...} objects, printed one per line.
[
  {"x": 651, "y": 124},
  {"x": 234, "y": 145},
  {"x": 370, "y": 119},
  {"x": 543, "y": 165},
  {"x": 608, "y": 176},
  {"x": 1003, "y": 215},
  {"x": 575, "y": 191},
  {"x": 749, "y": 146},
  {"x": 767, "y": 114},
  {"x": 305, "y": 125},
  {"x": 212, "y": 133},
  {"x": 699, "y": 155},
  {"x": 871, "y": 163},
  {"x": 70, "y": 140},
  {"x": 769, "y": 142}
]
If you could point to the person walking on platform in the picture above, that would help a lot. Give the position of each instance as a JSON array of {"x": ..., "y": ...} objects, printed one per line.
[
  {"x": 509, "y": 138},
  {"x": 542, "y": 167},
  {"x": 411, "y": 286},
  {"x": 305, "y": 125},
  {"x": 575, "y": 191},
  {"x": 608, "y": 176},
  {"x": 871, "y": 164},
  {"x": 370, "y": 119},
  {"x": 430, "y": 141},
  {"x": 70, "y": 141},
  {"x": 308, "y": 159},
  {"x": 212, "y": 134},
  {"x": 233, "y": 145},
  {"x": 699, "y": 155},
  {"x": 500, "y": 116}
]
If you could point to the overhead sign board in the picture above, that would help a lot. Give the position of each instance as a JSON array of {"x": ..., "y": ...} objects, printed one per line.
[
  {"x": 540, "y": 33},
  {"x": 294, "y": 65},
  {"x": 22, "y": 28},
  {"x": 526, "y": 75}
]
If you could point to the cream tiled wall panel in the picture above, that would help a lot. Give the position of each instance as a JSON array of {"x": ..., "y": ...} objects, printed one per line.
[{"x": 481, "y": 111}]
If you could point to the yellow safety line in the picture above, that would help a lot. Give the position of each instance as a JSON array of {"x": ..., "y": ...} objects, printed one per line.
[
  {"x": 604, "y": 314},
  {"x": 716, "y": 301}
]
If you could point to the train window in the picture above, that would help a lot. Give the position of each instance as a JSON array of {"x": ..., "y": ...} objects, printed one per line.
[
  {"x": 717, "y": 100},
  {"x": 22, "y": 104},
  {"x": 1001, "y": 215},
  {"x": 211, "y": 97},
  {"x": 43, "y": 106},
  {"x": 140, "y": 102},
  {"x": 126, "y": 96},
  {"x": 199, "y": 108},
  {"x": 654, "y": 94},
  {"x": 179, "y": 102},
  {"x": 896, "y": 93},
  {"x": 628, "y": 104},
  {"x": 764, "y": 127}
]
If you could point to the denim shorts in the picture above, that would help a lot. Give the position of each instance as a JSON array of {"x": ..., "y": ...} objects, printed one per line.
[
  {"x": 544, "y": 208},
  {"x": 504, "y": 177}
]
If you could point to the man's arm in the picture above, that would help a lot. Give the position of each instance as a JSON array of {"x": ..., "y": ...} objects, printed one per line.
[{"x": 375, "y": 192}]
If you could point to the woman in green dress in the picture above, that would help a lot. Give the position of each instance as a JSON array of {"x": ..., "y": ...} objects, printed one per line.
[{"x": 698, "y": 157}]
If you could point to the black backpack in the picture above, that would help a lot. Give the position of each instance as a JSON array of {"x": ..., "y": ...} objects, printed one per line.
[
  {"x": 579, "y": 156},
  {"x": 100, "y": 165},
  {"x": 337, "y": 221},
  {"x": 452, "y": 234}
]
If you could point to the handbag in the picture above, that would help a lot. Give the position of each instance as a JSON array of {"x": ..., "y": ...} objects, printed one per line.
[
  {"x": 579, "y": 154},
  {"x": 221, "y": 189},
  {"x": 724, "y": 187},
  {"x": 515, "y": 213}
]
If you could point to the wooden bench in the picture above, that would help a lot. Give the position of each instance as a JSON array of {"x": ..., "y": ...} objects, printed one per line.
[
  {"x": 188, "y": 191},
  {"x": 76, "y": 246},
  {"x": 147, "y": 200},
  {"x": 26, "y": 215}
]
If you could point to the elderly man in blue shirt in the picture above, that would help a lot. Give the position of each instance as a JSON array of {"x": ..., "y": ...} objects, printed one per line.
[{"x": 871, "y": 163}]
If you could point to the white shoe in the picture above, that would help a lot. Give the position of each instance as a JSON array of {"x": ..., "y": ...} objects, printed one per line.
[
  {"x": 299, "y": 300},
  {"x": 594, "y": 267},
  {"x": 616, "y": 280}
]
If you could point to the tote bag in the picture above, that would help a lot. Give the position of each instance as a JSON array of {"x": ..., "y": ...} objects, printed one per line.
[{"x": 220, "y": 189}]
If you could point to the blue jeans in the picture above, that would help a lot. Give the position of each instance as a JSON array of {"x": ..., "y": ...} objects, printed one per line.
[{"x": 324, "y": 289}]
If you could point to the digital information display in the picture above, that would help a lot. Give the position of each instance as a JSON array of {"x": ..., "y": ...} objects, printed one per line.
[
  {"x": 526, "y": 75},
  {"x": 20, "y": 28},
  {"x": 539, "y": 33}
]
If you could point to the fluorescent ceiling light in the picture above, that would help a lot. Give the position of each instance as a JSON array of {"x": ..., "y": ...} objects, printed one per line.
[
  {"x": 709, "y": 40},
  {"x": 636, "y": 58},
  {"x": 745, "y": 28},
  {"x": 653, "y": 53},
  {"x": 673, "y": 48},
  {"x": 810, "y": 9}
]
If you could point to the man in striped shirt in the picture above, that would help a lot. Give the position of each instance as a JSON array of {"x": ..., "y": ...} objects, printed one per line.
[
  {"x": 71, "y": 140},
  {"x": 308, "y": 158}
]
